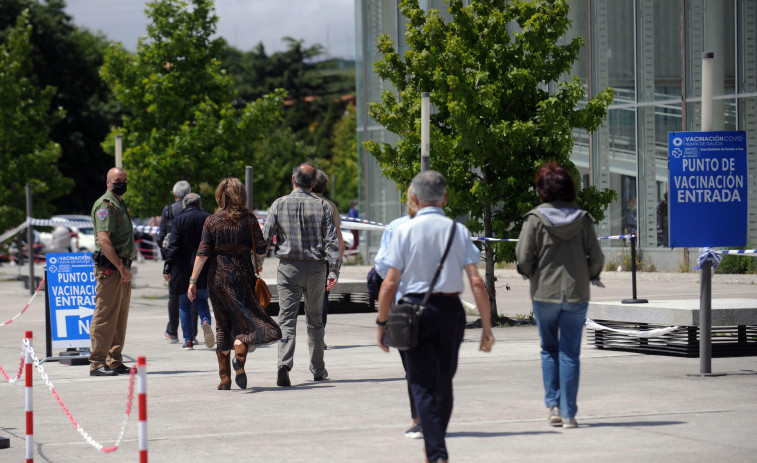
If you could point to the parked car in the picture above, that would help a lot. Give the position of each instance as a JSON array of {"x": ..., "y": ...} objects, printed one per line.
[
  {"x": 80, "y": 238},
  {"x": 85, "y": 235}
]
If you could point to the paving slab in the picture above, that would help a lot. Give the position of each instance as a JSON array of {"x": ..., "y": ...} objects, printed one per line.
[{"x": 632, "y": 407}]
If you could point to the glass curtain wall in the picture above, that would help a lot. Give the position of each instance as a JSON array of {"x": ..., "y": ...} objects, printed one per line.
[
  {"x": 746, "y": 89},
  {"x": 649, "y": 52}
]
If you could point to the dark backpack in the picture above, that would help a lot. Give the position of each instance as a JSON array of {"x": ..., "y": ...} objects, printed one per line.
[{"x": 167, "y": 238}]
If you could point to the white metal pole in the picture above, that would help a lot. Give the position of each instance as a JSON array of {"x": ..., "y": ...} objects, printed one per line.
[
  {"x": 119, "y": 155},
  {"x": 29, "y": 400},
  {"x": 708, "y": 72},
  {"x": 142, "y": 386},
  {"x": 705, "y": 285},
  {"x": 425, "y": 131},
  {"x": 248, "y": 185}
]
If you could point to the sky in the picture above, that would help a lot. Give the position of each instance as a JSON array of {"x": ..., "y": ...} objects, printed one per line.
[{"x": 243, "y": 23}]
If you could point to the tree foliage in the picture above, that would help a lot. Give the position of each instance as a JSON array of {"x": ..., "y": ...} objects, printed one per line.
[
  {"x": 501, "y": 108},
  {"x": 318, "y": 98},
  {"x": 343, "y": 163},
  {"x": 27, "y": 155},
  {"x": 180, "y": 121},
  {"x": 68, "y": 58}
]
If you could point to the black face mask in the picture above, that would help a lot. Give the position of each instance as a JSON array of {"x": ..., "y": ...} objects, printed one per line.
[{"x": 119, "y": 188}]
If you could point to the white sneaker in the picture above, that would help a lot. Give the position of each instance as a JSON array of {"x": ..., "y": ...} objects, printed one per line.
[
  {"x": 415, "y": 432},
  {"x": 569, "y": 423},
  {"x": 555, "y": 419}
]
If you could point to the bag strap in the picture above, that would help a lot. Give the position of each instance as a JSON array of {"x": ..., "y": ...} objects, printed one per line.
[
  {"x": 439, "y": 268},
  {"x": 254, "y": 254}
]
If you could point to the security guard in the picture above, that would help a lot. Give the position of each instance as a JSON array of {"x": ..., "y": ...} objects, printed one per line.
[{"x": 115, "y": 250}]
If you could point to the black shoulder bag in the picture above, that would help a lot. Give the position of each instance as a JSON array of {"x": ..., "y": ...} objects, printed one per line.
[{"x": 403, "y": 324}]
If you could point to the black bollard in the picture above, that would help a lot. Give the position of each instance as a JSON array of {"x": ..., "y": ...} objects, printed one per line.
[
  {"x": 634, "y": 300},
  {"x": 705, "y": 318}
]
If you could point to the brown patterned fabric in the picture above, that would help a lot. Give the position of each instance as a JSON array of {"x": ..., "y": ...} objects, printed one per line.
[{"x": 231, "y": 279}]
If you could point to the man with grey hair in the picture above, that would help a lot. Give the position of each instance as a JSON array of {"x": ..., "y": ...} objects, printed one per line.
[
  {"x": 307, "y": 241},
  {"x": 180, "y": 190},
  {"x": 413, "y": 258},
  {"x": 180, "y": 255}
]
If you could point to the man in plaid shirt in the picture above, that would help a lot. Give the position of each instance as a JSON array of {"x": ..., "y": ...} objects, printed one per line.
[{"x": 307, "y": 240}]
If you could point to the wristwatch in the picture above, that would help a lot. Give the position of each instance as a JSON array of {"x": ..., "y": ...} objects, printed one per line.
[{"x": 192, "y": 280}]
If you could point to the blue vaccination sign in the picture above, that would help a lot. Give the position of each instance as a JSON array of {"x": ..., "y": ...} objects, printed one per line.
[
  {"x": 71, "y": 293},
  {"x": 708, "y": 189}
]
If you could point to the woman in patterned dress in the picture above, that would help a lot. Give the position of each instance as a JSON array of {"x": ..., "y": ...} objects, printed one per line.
[{"x": 226, "y": 244}]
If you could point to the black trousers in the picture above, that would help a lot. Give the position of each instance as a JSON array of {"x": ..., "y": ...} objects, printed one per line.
[{"x": 431, "y": 366}]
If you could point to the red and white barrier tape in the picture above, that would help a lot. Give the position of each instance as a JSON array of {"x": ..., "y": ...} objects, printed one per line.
[
  {"x": 41, "y": 283},
  {"x": 20, "y": 370},
  {"x": 91, "y": 441}
]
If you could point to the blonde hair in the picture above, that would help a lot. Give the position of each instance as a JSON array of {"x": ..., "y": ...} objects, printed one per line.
[{"x": 231, "y": 197}]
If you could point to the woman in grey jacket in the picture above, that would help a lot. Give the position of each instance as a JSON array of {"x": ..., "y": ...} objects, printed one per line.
[{"x": 559, "y": 252}]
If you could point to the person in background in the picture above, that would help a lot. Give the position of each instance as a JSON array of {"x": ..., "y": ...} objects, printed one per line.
[
  {"x": 180, "y": 256},
  {"x": 354, "y": 214},
  {"x": 61, "y": 239},
  {"x": 180, "y": 189},
  {"x": 559, "y": 253},
  {"x": 307, "y": 240},
  {"x": 226, "y": 245},
  {"x": 319, "y": 189},
  {"x": 413, "y": 258},
  {"x": 115, "y": 250},
  {"x": 382, "y": 267}
]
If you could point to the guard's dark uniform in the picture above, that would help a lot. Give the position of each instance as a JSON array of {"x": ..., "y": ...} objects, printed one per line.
[{"x": 108, "y": 329}]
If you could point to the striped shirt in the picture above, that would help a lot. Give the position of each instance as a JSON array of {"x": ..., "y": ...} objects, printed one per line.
[{"x": 304, "y": 230}]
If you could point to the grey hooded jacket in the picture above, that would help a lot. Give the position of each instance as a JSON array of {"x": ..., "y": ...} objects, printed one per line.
[{"x": 559, "y": 252}]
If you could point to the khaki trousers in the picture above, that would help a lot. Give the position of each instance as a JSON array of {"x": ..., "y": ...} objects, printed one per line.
[{"x": 108, "y": 329}]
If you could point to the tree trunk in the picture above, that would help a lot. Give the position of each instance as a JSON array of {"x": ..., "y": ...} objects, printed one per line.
[{"x": 489, "y": 256}]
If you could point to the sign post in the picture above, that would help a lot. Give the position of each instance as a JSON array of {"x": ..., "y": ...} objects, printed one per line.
[
  {"x": 708, "y": 205},
  {"x": 71, "y": 294}
]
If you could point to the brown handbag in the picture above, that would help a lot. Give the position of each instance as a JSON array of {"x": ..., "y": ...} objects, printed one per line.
[{"x": 261, "y": 291}]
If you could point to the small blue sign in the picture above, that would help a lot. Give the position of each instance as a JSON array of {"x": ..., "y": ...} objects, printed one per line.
[
  {"x": 71, "y": 291},
  {"x": 708, "y": 189}
]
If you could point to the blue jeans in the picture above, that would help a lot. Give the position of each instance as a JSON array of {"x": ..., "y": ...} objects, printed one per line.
[
  {"x": 185, "y": 311},
  {"x": 561, "y": 326}
]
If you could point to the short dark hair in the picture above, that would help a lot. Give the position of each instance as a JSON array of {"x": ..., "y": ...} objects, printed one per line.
[
  {"x": 554, "y": 183},
  {"x": 304, "y": 175},
  {"x": 321, "y": 180}
]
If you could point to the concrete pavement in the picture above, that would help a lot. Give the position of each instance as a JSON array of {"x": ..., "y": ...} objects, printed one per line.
[{"x": 632, "y": 407}]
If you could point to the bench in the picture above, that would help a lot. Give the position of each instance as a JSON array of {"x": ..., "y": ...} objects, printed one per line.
[
  {"x": 348, "y": 295},
  {"x": 734, "y": 326}
]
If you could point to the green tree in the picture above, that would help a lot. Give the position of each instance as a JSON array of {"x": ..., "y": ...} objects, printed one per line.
[
  {"x": 501, "y": 109},
  {"x": 343, "y": 164},
  {"x": 280, "y": 151},
  {"x": 319, "y": 92},
  {"x": 27, "y": 155},
  {"x": 69, "y": 58},
  {"x": 180, "y": 121}
]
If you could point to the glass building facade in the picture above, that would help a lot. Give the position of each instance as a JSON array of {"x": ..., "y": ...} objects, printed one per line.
[{"x": 649, "y": 52}]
